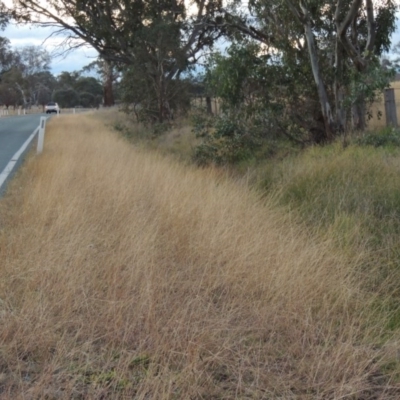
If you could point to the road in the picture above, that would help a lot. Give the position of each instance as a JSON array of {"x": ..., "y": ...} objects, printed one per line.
[{"x": 14, "y": 131}]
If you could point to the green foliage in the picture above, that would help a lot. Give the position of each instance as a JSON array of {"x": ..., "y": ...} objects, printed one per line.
[
  {"x": 386, "y": 137},
  {"x": 4, "y": 16},
  {"x": 24, "y": 75},
  {"x": 335, "y": 78},
  {"x": 153, "y": 42},
  {"x": 234, "y": 78},
  {"x": 160, "y": 128},
  {"x": 133, "y": 131},
  {"x": 78, "y": 90},
  {"x": 88, "y": 84},
  {"x": 9, "y": 94},
  {"x": 66, "y": 98},
  {"x": 351, "y": 194},
  {"x": 386, "y": 21},
  {"x": 150, "y": 106},
  {"x": 7, "y": 56},
  {"x": 269, "y": 94},
  {"x": 365, "y": 87},
  {"x": 225, "y": 140},
  {"x": 88, "y": 100}
]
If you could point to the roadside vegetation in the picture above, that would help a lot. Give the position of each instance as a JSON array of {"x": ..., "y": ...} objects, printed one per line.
[
  {"x": 304, "y": 71},
  {"x": 26, "y": 80},
  {"x": 347, "y": 190},
  {"x": 126, "y": 273},
  {"x": 248, "y": 250}
]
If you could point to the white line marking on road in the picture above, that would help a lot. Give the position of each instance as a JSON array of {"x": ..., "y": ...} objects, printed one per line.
[{"x": 10, "y": 166}]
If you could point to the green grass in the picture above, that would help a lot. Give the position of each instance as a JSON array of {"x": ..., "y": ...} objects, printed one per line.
[{"x": 353, "y": 196}]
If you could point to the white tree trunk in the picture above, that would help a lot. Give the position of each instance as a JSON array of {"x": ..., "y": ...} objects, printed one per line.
[{"x": 322, "y": 95}]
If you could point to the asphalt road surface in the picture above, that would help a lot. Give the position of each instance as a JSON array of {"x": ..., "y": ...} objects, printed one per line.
[{"x": 14, "y": 131}]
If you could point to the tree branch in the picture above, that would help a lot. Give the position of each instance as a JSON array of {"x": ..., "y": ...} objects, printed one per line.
[
  {"x": 296, "y": 12},
  {"x": 355, "y": 6},
  {"x": 371, "y": 27}
]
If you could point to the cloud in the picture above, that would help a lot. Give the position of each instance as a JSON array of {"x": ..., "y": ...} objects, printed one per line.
[
  {"x": 24, "y": 35},
  {"x": 74, "y": 61},
  {"x": 28, "y": 35}
]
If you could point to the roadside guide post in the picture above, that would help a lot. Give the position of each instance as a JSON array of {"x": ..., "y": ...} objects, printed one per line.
[{"x": 42, "y": 128}]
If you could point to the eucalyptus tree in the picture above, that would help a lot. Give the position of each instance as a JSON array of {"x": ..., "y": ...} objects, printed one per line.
[
  {"x": 8, "y": 57},
  {"x": 34, "y": 65},
  {"x": 75, "y": 89},
  {"x": 338, "y": 41},
  {"x": 10, "y": 80},
  {"x": 109, "y": 75},
  {"x": 164, "y": 37},
  {"x": 4, "y": 15}
]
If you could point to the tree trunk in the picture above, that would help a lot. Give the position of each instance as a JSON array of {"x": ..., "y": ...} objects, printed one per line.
[
  {"x": 329, "y": 122},
  {"x": 358, "y": 115},
  {"x": 108, "y": 94},
  {"x": 22, "y": 94},
  {"x": 161, "y": 101},
  {"x": 208, "y": 105},
  {"x": 161, "y": 87},
  {"x": 339, "y": 90},
  {"x": 108, "y": 85}
]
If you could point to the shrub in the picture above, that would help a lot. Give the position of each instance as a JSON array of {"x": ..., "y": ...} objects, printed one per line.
[
  {"x": 386, "y": 137},
  {"x": 227, "y": 139}
]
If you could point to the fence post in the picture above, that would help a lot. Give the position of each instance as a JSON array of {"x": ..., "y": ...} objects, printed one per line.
[
  {"x": 42, "y": 128},
  {"x": 390, "y": 108}
]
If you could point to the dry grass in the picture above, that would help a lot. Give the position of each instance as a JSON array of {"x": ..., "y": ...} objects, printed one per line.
[
  {"x": 126, "y": 275},
  {"x": 177, "y": 141}
]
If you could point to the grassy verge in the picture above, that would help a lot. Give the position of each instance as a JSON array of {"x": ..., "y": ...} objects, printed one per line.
[
  {"x": 349, "y": 194},
  {"x": 353, "y": 195},
  {"x": 177, "y": 141},
  {"x": 125, "y": 274}
]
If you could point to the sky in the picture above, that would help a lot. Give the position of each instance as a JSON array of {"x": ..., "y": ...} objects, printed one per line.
[{"x": 24, "y": 35}]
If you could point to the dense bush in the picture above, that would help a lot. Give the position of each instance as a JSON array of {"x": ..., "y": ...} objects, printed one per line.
[
  {"x": 385, "y": 137},
  {"x": 226, "y": 139},
  {"x": 352, "y": 195}
]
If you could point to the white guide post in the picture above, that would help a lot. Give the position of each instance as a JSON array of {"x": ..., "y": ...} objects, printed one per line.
[{"x": 42, "y": 128}]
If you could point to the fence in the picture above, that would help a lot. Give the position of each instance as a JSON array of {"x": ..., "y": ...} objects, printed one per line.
[
  {"x": 12, "y": 112},
  {"x": 214, "y": 104},
  {"x": 384, "y": 112}
]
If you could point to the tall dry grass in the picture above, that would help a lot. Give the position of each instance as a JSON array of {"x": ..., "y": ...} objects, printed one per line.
[{"x": 125, "y": 275}]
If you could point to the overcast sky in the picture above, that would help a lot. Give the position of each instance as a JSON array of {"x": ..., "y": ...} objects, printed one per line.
[{"x": 25, "y": 35}]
